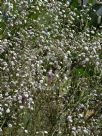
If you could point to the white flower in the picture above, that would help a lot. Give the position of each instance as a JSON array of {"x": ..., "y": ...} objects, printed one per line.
[
  {"x": 10, "y": 125},
  {"x": 6, "y": 94},
  {"x": 70, "y": 119},
  {"x": 79, "y": 129},
  {"x": 21, "y": 107},
  {"x": 8, "y": 110},
  {"x": 0, "y": 113},
  {"x": 6, "y": 105},
  {"x": 87, "y": 59},
  {"x": 0, "y": 129},
  {"x": 30, "y": 100},
  {"x": 26, "y": 131},
  {"x": 86, "y": 48},
  {"x": 81, "y": 115},
  {"x": 74, "y": 128},
  {"x": 65, "y": 78},
  {"x": 19, "y": 97},
  {"x": 45, "y": 0},
  {"x": 97, "y": 63},
  {"x": 0, "y": 95},
  {"x": 74, "y": 133},
  {"x": 41, "y": 81},
  {"x": 92, "y": 32},
  {"x": 65, "y": 57},
  {"x": 68, "y": 52},
  {"x": 26, "y": 95},
  {"x": 1, "y": 109},
  {"x": 85, "y": 131},
  {"x": 59, "y": 132},
  {"x": 31, "y": 108},
  {"x": 45, "y": 132},
  {"x": 57, "y": 75}
]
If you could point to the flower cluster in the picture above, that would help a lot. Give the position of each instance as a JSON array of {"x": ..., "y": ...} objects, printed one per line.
[{"x": 50, "y": 69}]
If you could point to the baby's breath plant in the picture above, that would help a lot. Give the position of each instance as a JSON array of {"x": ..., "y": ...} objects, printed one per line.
[{"x": 50, "y": 69}]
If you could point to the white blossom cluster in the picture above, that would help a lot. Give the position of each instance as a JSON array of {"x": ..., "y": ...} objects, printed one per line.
[{"x": 46, "y": 60}]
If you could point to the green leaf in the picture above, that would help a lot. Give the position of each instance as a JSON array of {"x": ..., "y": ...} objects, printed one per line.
[{"x": 80, "y": 72}]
